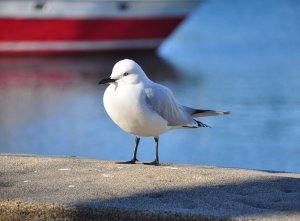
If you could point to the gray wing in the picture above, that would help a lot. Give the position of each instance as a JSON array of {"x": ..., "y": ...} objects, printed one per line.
[{"x": 162, "y": 101}]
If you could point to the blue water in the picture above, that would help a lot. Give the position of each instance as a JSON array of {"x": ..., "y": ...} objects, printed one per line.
[{"x": 242, "y": 56}]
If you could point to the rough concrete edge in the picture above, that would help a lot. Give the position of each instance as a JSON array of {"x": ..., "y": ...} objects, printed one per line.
[
  {"x": 166, "y": 164},
  {"x": 21, "y": 210},
  {"x": 163, "y": 164},
  {"x": 46, "y": 156}
]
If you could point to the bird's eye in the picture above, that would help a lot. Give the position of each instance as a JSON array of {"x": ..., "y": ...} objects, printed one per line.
[{"x": 125, "y": 74}]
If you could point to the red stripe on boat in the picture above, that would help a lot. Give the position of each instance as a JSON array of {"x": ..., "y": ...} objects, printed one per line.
[{"x": 66, "y": 29}]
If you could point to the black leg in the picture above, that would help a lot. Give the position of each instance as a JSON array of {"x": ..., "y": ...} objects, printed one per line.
[
  {"x": 137, "y": 141},
  {"x": 134, "y": 159},
  {"x": 156, "y": 149},
  {"x": 156, "y": 161}
]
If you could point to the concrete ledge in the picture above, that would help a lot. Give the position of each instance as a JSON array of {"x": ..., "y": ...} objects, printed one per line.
[{"x": 56, "y": 188}]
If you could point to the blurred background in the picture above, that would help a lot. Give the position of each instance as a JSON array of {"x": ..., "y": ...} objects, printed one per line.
[{"x": 241, "y": 56}]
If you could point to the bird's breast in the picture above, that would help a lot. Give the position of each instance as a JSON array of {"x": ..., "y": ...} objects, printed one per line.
[{"x": 126, "y": 106}]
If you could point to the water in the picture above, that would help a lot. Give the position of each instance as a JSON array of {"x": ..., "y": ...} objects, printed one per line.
[{"x": 242, "y": 56}]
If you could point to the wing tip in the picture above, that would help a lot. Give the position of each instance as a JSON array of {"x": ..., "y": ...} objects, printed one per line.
[
  {"x": 224, "y": 112},
  {"x": 202, "y": 113}
]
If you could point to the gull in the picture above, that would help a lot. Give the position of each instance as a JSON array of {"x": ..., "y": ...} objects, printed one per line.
[{"x": 144, "y": 108}]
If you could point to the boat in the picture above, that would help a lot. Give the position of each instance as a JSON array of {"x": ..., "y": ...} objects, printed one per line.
[{"x": 88, "y": 25}]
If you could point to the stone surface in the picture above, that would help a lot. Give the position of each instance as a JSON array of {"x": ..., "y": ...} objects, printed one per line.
[{"x": 71, "y": 188}]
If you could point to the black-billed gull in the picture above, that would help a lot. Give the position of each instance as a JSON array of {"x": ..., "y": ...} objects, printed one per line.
[{"x": 144, "y": 108}]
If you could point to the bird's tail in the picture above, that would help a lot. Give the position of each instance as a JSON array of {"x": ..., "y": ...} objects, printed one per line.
[
  {"x": 200, "y": 124},
  {"x": 196, "y": 124}
]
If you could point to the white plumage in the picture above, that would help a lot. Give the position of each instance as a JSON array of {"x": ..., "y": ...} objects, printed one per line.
[{"x": 144, "y": 108}]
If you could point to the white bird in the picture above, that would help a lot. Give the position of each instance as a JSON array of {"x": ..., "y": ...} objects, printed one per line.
[{"x": 144, "y": 108}]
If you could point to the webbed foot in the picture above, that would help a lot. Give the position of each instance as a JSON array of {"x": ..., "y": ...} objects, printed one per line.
[
  {"x": 153, "y": 163},
  {"x": 133, "y": 161}
]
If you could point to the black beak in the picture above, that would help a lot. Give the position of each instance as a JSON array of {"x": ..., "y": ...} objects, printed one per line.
[{"x": 107, "y": 80}]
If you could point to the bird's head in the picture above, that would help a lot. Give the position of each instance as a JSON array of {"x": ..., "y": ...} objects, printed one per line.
[{"x": 126, "y": 72}]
